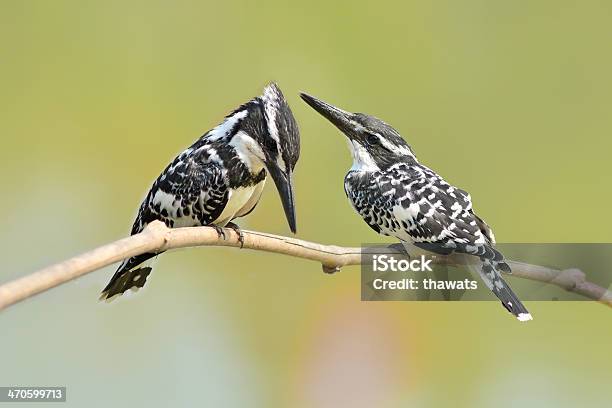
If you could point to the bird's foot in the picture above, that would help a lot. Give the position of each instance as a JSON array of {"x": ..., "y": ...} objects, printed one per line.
[
  {"x": 401, "y": 248},
  {"x": 220, "y": 232},
  {"x": 238, "y": 232}
]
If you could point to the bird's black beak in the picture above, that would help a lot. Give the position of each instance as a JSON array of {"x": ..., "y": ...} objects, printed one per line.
[
  {"x": 340, "y": 118},
  {"x": 284, "y": 185}
]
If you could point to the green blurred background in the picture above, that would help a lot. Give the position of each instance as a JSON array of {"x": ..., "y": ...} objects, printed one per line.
[{"x": 510, "y": 100}]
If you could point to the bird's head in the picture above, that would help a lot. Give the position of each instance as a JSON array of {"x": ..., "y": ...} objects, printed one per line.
[
  {"x": 267, "y": 134},
  {"x": 281, "y": 147},
  {"x": 375, "y": 145}
]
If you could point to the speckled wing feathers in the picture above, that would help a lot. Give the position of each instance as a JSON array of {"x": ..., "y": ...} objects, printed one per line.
[
  {"x": 188, "y": 193},
  {"x": 413, "y": 203}
]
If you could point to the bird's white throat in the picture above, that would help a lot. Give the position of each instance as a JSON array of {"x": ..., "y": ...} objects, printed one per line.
[{"x": 362, "y": 160}]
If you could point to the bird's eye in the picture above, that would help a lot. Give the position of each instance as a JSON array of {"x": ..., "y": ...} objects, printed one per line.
[{"x": 372, "y": 140}]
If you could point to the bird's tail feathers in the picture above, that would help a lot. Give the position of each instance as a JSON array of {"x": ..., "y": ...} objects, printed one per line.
[
  {"x": 490, "y": 273},
  {"x": 486, "y": 251},
  {"x": 131, "y": 274}
]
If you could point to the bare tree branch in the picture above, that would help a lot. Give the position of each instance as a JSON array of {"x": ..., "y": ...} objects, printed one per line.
[{"x": 157, "y": 237}]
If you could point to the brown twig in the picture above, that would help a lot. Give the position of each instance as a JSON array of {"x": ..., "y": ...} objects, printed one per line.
[{"x": 157, "y": 237}]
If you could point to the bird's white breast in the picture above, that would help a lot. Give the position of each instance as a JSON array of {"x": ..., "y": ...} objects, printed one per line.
[{"x": 237, "y": 200}]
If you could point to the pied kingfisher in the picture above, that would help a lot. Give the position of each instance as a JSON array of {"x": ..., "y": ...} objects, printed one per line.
[
  {"x": 399, "y": 197},
  {"x": 221, "y": 177}
]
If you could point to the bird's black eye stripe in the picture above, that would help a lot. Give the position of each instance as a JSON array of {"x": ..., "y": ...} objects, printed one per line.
[
  {"x": 372, "y": 139},
  {"x": 270, "y": 144}
]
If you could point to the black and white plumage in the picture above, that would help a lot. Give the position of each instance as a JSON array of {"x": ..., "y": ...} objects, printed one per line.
[
  {"x": 221, "y": 177},
  {"x": 399, "y": 197}
]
